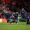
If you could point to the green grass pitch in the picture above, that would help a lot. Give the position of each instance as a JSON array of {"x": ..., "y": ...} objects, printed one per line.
[{"x": 19, "y": 26}]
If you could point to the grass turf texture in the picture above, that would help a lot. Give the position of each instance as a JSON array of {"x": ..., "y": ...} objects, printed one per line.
[{"x": 19, "y": 26}]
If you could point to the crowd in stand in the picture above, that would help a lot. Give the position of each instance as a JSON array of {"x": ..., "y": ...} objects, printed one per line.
[
  {"x": 11, "y": 12},
  {"x": 7, "y": 13}
]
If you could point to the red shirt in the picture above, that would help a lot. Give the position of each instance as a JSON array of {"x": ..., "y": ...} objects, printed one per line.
[{"x": 6, "y": 1}]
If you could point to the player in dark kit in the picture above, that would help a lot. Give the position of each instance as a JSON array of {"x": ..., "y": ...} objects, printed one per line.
[
  {"x": 28, "y": 19},
  {"x": 16, "y": 17},
  {"x": 12, "y": 19}
]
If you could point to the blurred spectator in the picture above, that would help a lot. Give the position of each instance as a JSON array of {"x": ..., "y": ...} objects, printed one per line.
[{"x": 14, "y": 3}]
